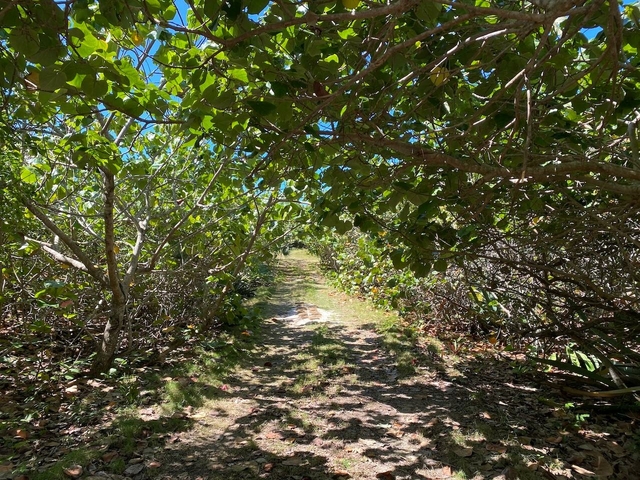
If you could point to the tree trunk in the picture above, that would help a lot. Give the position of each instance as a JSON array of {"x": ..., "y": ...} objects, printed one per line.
[{"x": 110, "y": 340}]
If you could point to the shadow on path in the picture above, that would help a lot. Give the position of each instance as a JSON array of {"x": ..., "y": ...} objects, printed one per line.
[{"x": 327, "y": 402}]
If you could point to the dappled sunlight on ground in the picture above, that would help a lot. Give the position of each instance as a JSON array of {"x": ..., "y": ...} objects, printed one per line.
[{"x": 326, "y": 400}]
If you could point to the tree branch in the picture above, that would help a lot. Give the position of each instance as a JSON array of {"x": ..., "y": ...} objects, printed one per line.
[{"x": 66, "y": 239}]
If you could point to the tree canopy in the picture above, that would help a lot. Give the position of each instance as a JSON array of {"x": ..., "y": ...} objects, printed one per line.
[{"x": 495, "y": 137}]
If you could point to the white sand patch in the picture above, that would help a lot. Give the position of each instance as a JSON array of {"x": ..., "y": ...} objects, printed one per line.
[{"x": 304, "y": 313}]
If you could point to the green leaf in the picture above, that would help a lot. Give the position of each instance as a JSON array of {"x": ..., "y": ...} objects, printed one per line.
[
  {"x": 50, "y": 50},
  {"x": 28, "y": 176},
  {"x": 211, "y": 8},
  {"x": 224, "y": 100},
  {"x": 261, "y": 108},
  {"x": 569, "y": 367},
  {"x": 51, "y": 78},
  {"x": 25, "y": 40},
  {"x": 93, "y": 87},
  {"x": 397, "y": 258},
  {"x": 232, "y": 8},
  {"x": 279, "y": 89},
  {"x": 428, "y": 12},
  {"x": 440, "y": 265},
  {"x": 256, "y": 6},
  {"x": 239, "y": 74}
]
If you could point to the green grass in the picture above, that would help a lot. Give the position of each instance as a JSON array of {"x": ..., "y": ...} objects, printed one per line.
[
  {"x": 409, "y": 348},
  {"x": 129, "y": 429},
  {"x": 117, "y": 466},
  {"x": 81, "y": 456}
]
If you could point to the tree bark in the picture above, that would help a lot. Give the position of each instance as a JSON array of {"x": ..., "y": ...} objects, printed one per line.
[{"x": 111, "y": 336}]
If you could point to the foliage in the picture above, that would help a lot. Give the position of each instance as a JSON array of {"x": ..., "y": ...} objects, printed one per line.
[
  {"x": 444, "y": 299},
  {"x": 162, "y": 143}
]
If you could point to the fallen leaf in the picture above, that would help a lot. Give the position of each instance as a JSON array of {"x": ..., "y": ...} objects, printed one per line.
[
  {"x": 577, "y": 457},
  {"x": 134, "y": 469},
  {"x": 602, "y": 467},
  {"x": 74, "y": 471},
  {"x": 109, "y": 456},
  {"x": 586, "y": 446},
  {"x": 394, "y": 433},
  {"x": 510, "y": 473},
  {"x": 463, "y": 452},
  {"x": 267, "y": 467},
  {"x": 71, "y": 391},
  {"x": 616, "y": 449},
  {"x": 154, "y": 464},
  {"x": 341, "y": 473},
  {"x": 23, "y": 434},
  {"x": 432, "y": 423},
  {"x": 554, "y": 440},
  {"x": 274, "y": 435},
  {"x": 583, "y": 471},
  {"x": 496, "y": 447},
  {"x": 268, "y": 364}
]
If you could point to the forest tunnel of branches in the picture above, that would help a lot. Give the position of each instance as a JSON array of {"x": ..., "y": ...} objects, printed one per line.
[{"x": 473, "y": 164}]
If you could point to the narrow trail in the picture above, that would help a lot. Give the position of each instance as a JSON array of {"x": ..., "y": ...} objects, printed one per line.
[{"x": 324, "y": 400}]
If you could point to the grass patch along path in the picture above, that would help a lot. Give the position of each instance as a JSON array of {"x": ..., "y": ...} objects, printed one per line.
[{"x": 337, "y": 390}]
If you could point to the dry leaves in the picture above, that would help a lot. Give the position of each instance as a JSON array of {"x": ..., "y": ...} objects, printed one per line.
[
  {"x": 74, "y": 471},
  {"x": 496, "y": 447},
  {"x": 341, "y": 474},
  {"x": 463, "y": 451}
]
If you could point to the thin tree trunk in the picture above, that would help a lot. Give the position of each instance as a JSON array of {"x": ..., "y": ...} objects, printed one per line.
[
  {"x": 110, "y": 340},
  {"x": 111, "y": 337}
]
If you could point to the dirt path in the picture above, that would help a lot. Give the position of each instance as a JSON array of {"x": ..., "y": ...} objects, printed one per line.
[{"x": 324, "y": 399}]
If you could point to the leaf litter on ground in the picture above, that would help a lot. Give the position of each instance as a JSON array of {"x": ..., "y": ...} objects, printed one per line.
[{"x": 331, "y": 399}]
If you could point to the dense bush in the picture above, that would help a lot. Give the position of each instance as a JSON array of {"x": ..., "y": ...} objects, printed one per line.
[{"x": 360, "y": 265}]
